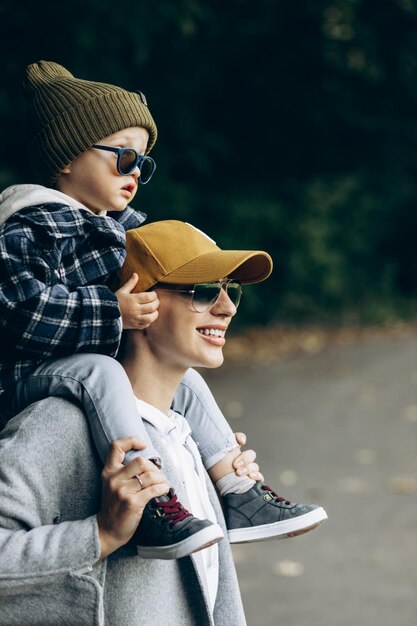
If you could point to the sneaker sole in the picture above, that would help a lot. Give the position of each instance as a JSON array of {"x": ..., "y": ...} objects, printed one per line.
[
  {"x": 200, "y": 540},
  {"x": 279, "y": 530}
]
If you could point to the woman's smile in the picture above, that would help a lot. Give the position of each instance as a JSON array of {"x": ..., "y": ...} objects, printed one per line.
[{"x": 214, "y": 334}]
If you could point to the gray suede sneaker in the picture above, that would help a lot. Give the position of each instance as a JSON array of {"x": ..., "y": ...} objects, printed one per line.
[{"x": 260, "y": 514}]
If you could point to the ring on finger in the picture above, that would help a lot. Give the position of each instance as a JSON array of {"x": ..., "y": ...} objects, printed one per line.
[{"x": 139, "y": 481}]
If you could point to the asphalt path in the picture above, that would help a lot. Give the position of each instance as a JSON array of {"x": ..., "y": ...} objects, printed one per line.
[{"x": 338, "y": 428}]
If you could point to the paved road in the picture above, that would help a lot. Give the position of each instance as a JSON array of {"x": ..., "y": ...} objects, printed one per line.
[{"x": 338, "y": 428}]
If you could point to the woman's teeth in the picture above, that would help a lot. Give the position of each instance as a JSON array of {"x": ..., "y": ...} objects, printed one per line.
[{"x": 214, "y": 332}]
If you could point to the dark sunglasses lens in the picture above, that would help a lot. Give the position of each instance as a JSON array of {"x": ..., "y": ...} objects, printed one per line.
[
  {"x": 146, "y": 170},
  {"x": 205, "y": 295},
  {"x": 234, "y": 291},
  {"x": 127, "y": 161}
]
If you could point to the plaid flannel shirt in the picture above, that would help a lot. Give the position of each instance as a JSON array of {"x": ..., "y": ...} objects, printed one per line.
[{"x": 55, "y": 266}]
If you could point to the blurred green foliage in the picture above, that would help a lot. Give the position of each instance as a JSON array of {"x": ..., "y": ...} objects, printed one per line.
[{"x": 283, "y": 125}]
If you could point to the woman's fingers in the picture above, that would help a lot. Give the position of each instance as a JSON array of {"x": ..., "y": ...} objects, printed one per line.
[
  {"x": 118, "y": 450},
  {"x": 244, "y": 458},
  {"x": 247, "y": 469},
  {"x": 131, "y": 493},
  {"x": 138, "y": 466},
  {"x": 142, "y": 481},
  {"x": 240, "y": 438},
  {"x": 124, "y": 496},
  {"x": 118, "y": 475},
  {"x": 255, "y": 474},
  {"x": 245, "y": 465}
]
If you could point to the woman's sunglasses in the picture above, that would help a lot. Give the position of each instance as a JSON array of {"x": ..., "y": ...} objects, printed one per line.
[
  {"x": 205, "y": 295},
  {"x": 128, "y": 159}
]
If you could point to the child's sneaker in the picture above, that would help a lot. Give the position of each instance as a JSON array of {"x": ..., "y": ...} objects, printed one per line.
[
  {"x": 260, "y": 514},
  {"x": 168, "y": 531}
]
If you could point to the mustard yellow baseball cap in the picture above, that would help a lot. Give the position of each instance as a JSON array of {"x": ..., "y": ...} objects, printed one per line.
[{"x": 175, "y": 252}]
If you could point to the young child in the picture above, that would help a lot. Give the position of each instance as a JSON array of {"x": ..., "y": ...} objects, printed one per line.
[{"x": 61, "y": 242}]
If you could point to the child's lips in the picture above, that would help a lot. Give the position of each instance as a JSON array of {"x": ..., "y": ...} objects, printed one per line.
[{"x": 129, "y": 189}]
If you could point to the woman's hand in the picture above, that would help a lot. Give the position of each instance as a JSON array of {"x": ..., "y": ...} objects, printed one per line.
[
  {"x": 244, "y": 464},
  {"x": 123, "y": 496}
]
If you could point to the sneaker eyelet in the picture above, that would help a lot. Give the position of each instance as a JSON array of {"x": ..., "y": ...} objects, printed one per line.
[{"x": 267, "y": 497}]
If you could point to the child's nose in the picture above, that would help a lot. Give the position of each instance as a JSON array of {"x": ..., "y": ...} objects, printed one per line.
[{"x": 136, "y": 172}]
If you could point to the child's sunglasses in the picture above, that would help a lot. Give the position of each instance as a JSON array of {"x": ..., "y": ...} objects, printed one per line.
[
  {"x": 128, "y": 159},
  {"x": 205, "y": 295}
]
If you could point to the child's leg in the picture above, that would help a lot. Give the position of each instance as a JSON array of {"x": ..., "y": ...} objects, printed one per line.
[
  {"x": 211, "y": 431},
  {"x": 253, "y": 511},
  {"x": 102, "y": 387},
  {"x": 100, "y": 384}
]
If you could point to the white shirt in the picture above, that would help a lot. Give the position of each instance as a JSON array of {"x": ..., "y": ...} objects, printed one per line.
[{"x": 185, "y": 455}]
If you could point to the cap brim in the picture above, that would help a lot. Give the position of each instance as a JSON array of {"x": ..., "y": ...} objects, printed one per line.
[{"x": 248, "y": 266}]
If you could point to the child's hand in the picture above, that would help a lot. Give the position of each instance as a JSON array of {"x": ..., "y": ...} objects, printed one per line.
[{"x": 138, "y": 310}]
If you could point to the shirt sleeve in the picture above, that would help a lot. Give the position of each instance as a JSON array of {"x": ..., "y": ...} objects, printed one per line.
[
  {"x": 41, "y": 316},
  {"x": 48, "y": 549},
  {"x": 129, "y": 218}
]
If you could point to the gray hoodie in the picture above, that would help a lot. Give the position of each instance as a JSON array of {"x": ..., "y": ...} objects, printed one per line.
[{"x": 18, "y": 197}]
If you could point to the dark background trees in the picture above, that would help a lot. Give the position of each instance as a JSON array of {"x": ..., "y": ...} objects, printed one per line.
[{"x": 283, "y": 125}]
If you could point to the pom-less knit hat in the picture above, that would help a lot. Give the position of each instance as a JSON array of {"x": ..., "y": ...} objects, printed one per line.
[{"x": 68, "y": 115}]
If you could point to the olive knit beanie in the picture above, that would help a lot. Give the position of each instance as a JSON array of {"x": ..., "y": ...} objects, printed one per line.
[{"x": 68, "y": 115}]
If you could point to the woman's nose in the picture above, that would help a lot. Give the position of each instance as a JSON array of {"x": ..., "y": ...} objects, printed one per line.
[{"x": 224, "y": 305}]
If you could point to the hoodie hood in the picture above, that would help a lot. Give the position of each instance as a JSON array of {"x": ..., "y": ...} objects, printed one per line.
[{"x": 19, "y": 197}]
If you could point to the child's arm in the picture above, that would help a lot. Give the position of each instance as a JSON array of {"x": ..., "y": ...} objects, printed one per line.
[
  {"x": 42, "y": 317},
  {"x": 43, "y": 312}
]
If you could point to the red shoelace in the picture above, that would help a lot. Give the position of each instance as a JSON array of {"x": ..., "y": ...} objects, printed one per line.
[
  {"x": 276, "y": 496},
  {"x": 172, "y": 510}
]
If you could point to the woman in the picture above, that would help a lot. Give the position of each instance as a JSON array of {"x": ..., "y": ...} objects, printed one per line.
[
  {"x": 62, "y": 561},
  {"x": 199, "y": 289}
]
